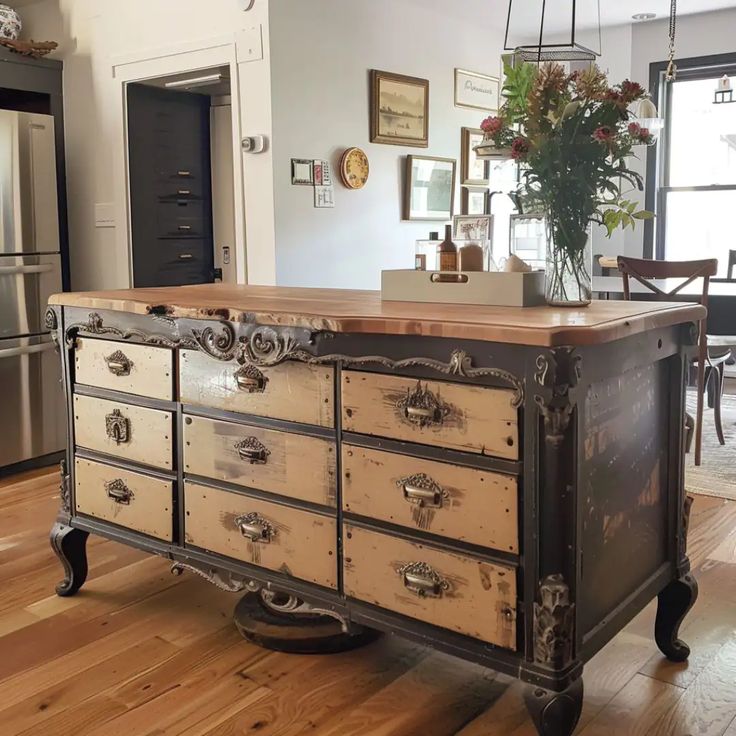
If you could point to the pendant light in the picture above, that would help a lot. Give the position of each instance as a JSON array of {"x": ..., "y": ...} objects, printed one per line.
[{"x": 563, "y": 30}]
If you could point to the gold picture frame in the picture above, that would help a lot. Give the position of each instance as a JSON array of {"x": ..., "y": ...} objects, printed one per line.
[
  {"x": 470, "y": 165},
  {"x": 429, "y": 188},
  {"x": 399, "y": 109}
]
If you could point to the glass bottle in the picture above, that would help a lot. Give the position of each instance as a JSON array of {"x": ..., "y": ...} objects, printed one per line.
[{"x": 447, "y": 252}]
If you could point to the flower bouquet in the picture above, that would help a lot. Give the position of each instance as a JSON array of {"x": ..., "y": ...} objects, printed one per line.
[{"x": 572, "y": 134}]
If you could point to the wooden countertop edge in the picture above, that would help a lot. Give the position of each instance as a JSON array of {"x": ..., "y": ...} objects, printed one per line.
[{"x": 563, "y": 335}]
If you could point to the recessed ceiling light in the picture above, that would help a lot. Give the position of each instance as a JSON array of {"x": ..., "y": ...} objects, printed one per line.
[{"x": 644, "y": 16}]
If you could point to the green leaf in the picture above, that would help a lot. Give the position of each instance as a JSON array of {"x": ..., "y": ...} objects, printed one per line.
[{"x": 643, "y": 215}]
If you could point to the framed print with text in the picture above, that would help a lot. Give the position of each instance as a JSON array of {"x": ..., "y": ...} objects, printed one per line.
[{"x": 476, "y": 91}]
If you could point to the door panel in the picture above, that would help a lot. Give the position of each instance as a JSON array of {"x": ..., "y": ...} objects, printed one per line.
[
  {"x": 33, "y": 402},
  {"x": 26, "y": 283},
  {"x": 170, "y": 188}
]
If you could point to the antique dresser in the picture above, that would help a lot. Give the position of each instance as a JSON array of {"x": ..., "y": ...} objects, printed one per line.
[{"x": 502, "y": 484}]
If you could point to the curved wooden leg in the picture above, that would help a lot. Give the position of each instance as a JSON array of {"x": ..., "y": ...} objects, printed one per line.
[
  {"x": 69, "y": 544},
  {"x": 674, "y": 603},
  {"x": 719, "y": 373},
  {"x": 555, "y": 714}
]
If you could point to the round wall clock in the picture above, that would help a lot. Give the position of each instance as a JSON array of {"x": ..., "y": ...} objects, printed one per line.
[{"x": 354, "y": 168}]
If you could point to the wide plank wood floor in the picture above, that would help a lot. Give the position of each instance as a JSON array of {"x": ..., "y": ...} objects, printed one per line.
[{"x": 140, "y": 652}]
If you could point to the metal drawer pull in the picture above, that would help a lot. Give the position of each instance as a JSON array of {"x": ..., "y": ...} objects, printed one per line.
[
  {"x": 185, "y": 256},
  {"x": 252, "y": 451},
  {"x": 421, "y": 490},
  {"x": 185, "y": 227},
  {"x": 423, "y": 580},
  {"x": 119, "y": 364},
  {"x": 184, "y": 192},
  {"x": 183, "y": 173},
  {"x": 255, "y": 528},
  {"x": 422, "y": 407},
  {"x": 117, "y": 427},
  {"x": 250, "y": 379},
  {"x": 117, "y": 491}
]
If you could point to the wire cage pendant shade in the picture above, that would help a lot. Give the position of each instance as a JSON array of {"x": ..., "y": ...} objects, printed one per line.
[{"x": 554, "y": 30}]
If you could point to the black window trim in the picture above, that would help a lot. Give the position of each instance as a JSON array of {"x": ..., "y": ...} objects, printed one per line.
[{"x": 691, "y": 68}]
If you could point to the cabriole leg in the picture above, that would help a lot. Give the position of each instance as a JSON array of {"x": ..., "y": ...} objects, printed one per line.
[
  {"x": 555, "y": 714},
  {"x": 674, "y": 603},
  {"x": 69, "y": 544}
]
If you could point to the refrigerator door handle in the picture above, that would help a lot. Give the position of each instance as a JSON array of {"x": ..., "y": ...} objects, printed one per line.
[
  {"x": 26, "y": 350},
  {"x": 12, "y": 270}
]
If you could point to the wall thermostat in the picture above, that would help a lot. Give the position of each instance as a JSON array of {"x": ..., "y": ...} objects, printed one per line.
[{"x": 254, "y": 144}]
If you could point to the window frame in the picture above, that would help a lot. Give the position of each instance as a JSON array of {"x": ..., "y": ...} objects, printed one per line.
[{"x": 658, "y": 157}]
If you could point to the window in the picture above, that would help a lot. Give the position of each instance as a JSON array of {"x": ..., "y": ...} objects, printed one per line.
[{"x": 696, "y": 167}]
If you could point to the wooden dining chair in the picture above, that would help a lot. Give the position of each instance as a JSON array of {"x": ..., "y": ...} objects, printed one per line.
[
  {"x": 644, "y": 271},
  {"x": 731, "y": 264}
]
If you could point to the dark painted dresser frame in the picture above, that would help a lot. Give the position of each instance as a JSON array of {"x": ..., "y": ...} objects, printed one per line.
[{"x": 567, "y": 397}]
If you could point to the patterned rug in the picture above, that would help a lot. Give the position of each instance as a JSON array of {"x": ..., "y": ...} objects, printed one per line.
[{"x": 717, "y": 474}]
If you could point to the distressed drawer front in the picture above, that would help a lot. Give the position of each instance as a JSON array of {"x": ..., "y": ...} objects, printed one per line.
[
  {"x": 292, "y": 391},
  {"x": 125, "y": 431},
  {"x": 121, "y": 366},
  {"x": 279, "y": 462},
  {"x": 454, "y": 591},
  {"x": 457, "y": 416},
  {"x": 295, "y": 542},
  {"x": 475, "y": 506},
  {"x": 123, "y": 497}
]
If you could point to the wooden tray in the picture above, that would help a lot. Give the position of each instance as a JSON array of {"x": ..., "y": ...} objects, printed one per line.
[{"x": 495, "y": 288}]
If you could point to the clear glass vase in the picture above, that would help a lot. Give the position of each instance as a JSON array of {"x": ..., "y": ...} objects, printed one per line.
[{"x": 569, "y": 266}]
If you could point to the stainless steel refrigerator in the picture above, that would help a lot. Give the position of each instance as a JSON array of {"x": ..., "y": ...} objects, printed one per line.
[{"x": 31, "y": 399}]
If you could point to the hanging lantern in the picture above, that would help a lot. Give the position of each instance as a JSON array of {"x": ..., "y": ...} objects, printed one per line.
[{"x": 566, "y": 30}]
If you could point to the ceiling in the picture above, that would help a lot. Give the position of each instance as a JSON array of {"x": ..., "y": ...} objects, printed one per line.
[{"x": 620, "y": 11}]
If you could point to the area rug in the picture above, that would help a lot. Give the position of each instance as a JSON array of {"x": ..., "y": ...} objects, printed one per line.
[{"x": 717, "y": 474}]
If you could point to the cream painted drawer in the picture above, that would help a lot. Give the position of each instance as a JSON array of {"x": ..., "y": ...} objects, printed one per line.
[
  {"x": 454, "y": 591},
  {"x": 298, "y": 543},
  {"x": 457, "y": 416},
  {"x": 475, "y": 506},
  {"x": 122, "y": 366},
  {"x": 130, "y": 432},
  {"x": 123, "y": 497},
  {"x": 279, "y": 462},
  {"x": 292, "y": 390}
]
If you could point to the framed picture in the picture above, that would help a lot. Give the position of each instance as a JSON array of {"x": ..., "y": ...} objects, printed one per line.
[
  {"x": 399, "y": 110},
  {"x": 302, "y": 171},
  {"x": 472, "y": 227},
  {"x": 474, "y": 201},
  {"x": 473, "y": 171},
  {"x": 476, "y": 91},
  {"x": 429, "y": 188}
]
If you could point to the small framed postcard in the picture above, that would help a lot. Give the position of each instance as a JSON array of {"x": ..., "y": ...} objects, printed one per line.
[
  {"x": 474, "y": 201},
  {"x": 472, "y": 227},
  {"x": 476, "y": 91},
  {"x": 399, "y": 109}
]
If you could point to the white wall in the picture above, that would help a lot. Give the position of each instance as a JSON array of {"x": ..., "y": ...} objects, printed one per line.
[
  {"x": 92, "y": 35},
  {"x": 322, "y": 51}
]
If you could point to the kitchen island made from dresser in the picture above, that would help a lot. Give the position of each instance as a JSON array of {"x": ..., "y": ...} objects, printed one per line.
[{"x": 502, "y": 484}]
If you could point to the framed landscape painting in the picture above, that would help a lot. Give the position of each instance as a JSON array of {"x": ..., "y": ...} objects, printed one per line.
[
  {"x": 399, "y": 109},
  {"x": 429, "y": 188}
]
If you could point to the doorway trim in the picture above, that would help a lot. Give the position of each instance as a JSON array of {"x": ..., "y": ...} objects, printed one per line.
[{"x": 185, "y": 58}]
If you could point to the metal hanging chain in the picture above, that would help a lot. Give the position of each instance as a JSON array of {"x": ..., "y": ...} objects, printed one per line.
[{"x": 671, "y": 66}]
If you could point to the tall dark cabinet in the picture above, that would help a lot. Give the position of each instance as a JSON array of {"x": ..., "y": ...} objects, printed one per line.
[
  {"x": 170, "y": 187},
  {"x": 35, "y": 85}
]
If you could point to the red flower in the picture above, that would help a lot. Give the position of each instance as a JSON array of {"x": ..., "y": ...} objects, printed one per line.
[
  {"x": 644, "y": 133},
  {"x": 491, "y": 125},
  {"x": 631, "y": 90},
  {"x": 604, "y": 134},
  {"x": 635, "y": 129},
  {"x": 519, "y": 148}
]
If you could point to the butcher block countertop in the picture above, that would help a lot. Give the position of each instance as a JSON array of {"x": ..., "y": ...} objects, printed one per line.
[{"x": 352, "y": 311}]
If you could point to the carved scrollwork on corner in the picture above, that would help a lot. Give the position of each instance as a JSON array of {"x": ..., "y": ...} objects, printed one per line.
[
  {"x": 65, "y": 494},
  {"x": 554, "y": 623},
  {"x": 558, "y": 375},
  {"x": 50, "y": 320}
]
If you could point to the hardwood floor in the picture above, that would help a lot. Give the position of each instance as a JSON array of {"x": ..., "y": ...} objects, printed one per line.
[{"x": 139, "y": 651}]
